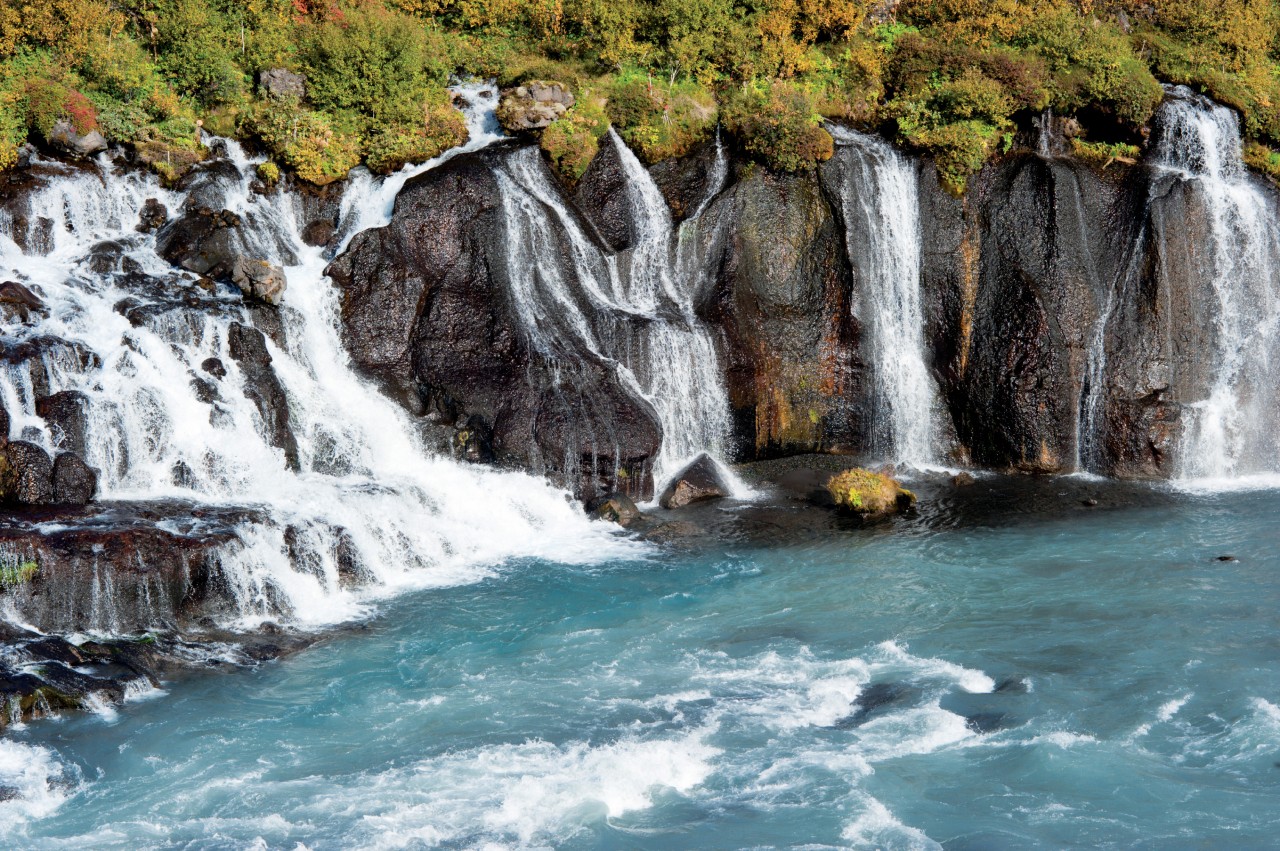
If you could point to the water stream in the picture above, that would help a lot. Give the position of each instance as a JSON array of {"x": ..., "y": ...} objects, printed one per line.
[{"x": 881, "y": 209}]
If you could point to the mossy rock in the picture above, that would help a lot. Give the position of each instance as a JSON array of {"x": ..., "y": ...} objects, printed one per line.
[{"x": 869, "y": 495}]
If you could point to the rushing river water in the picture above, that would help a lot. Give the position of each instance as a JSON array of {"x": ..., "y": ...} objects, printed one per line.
[{"x": 1032, "y": 673}]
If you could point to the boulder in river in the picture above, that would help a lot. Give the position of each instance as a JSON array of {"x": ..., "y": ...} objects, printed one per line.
[
  {"x": 869, "y": 495},
  {"x": 74, "y": 482},
  {"x": 153, "y": 216},
  {"x": 26, "y": 474},
  {"x": 258, "y": 279},
  {"x": 615, "y": 508},
  {"x": 698, "y": 482}
]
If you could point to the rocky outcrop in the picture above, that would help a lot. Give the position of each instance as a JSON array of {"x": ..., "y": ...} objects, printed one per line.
[
  {"x": 208, "y": 239},
  {"x": 1015, "y": 277},
  {"x": 248, "y": 347},
  {"x": 282, "y": 84},
  {"x": 426, "y": 308},
  {"x": 795, "y": 376},
  {"x": 533, "y": 106},
  {"x": 64, "y": 139}
]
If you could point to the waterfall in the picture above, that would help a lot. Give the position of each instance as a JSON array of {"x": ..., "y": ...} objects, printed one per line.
[
  {"x": 1230, "y": 431},
  {"x": 138, "y": 338},
  {"x": 634, "y": 311},
  {"x": 880, "y": 202}
]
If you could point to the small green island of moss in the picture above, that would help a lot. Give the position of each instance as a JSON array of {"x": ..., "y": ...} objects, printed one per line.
[{"x": 869, "y": 495}]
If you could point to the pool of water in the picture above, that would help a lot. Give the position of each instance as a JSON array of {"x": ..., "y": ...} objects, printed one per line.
[{"x": 1005, "y": 669}]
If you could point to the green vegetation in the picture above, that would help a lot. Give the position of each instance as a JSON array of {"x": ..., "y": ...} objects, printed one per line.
[
  {"x": 951, "y": 79},
  {"x": 869, "y": 494},
  {"x": 572, "y": 142},
  {"x": 1104, "y": 154},
  {"x": 16, "y": 573}
]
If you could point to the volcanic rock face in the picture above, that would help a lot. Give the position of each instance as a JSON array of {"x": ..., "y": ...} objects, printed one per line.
[
  {"x": 426, "y": 310},
  {"x": 782, "y": 299}
]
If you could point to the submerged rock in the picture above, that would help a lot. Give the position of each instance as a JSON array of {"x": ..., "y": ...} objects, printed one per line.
[
  {"x": 615, "y": 508},
  {"x": 698, "y": 482}
]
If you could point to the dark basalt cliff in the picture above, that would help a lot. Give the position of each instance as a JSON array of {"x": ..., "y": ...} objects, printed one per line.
[
  {"x": 1066, "y": 315},
  {"x": 425, "y": 310}
]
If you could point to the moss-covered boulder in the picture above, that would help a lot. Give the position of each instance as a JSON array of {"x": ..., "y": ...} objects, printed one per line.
[{"x": 869, "y": 495}]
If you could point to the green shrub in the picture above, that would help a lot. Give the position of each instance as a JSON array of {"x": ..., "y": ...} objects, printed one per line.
[
  {"x": 777, "y": 123},
  {"x": 268, "y": 173},
  {"x": 572, "y": 141},
  {"x": 307, "y": 142},
  {"x": 374, "y": 63},
  {"x": 1103, "y": 154},
  {"x": 658, "y": 119}
]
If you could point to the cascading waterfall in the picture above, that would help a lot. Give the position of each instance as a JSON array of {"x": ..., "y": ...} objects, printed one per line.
[
  {"x": 880, "y": 202},
  {"x": 363, "y": 484},
  {"x": 638, "y": 314},
  {"x": 1228, "y": 433}
]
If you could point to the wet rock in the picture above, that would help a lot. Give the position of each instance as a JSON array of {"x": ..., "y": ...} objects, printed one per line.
[
  {"x": 64, "y": 138},
  {"x": 19, "y": 303},
  {"x": 258, "y": 279},
  {"x": 427, "y": 310},
  {"x": 876, "y": 699},
  {"x": 796, "y": 379},
  {"x": 686, "y": 182},
  {"x": 1089, "y": 503},
  {"x": 74, "y": 481},
  {"x": 67, "y": 414},
  {"x": 319, "y": 233},
  {"x": 282, "y": 84},
  {"x": 698, "y": 482},
  {"x": 809, "y": 485},
  {"x": 615, "y": 508},
  {"x": 202, "y": 240},
  {"x": 214, "y": 367},
  {"x": 38, "y": 355},
  {"x": 963, "y": 479},
  {"x": 153, "y": 216},
  {"x": 4, "y": 424},
  {"x": 1014, "y": 277},
  {"x": 533, "y": 106},
  {"x": 26, "y": 474},
  {"x": 675, "y": 532},
  {"x": 601, "y": 194},
  {"x": 248, "y": 347},
  {"x": 1226, "y": 558},
  {"x": 474, "y": 441}
]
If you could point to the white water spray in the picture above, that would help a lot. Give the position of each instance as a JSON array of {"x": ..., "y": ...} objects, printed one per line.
[
  {"x": 365, "y": 488},
  {"x": 640, "y": 318},
  {"x": 880, "y": 202},
  {"x": 1229, "y": 433}
]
